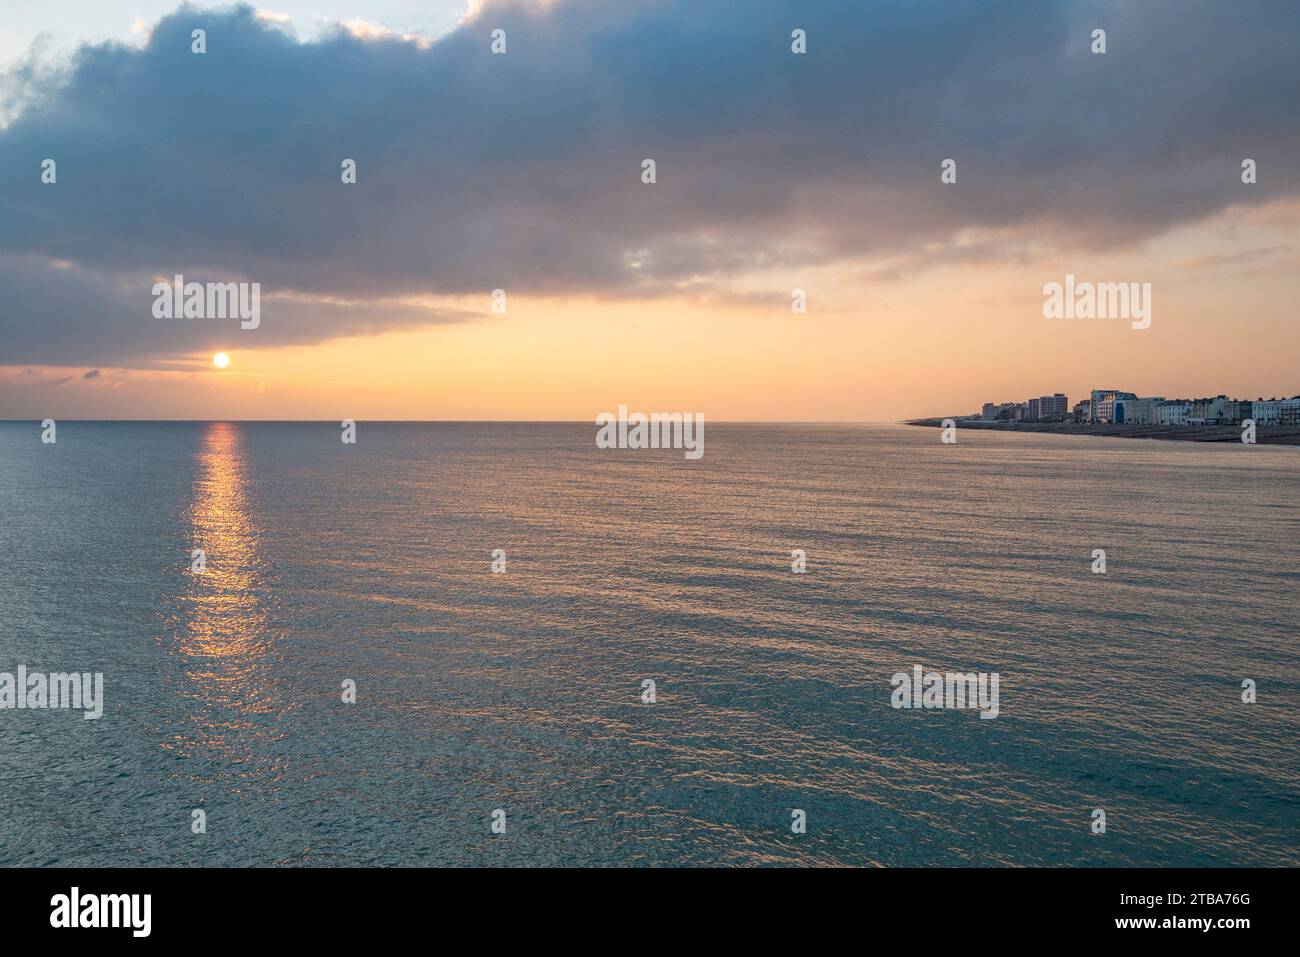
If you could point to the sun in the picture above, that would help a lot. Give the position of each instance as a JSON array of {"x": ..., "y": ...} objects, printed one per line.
[{"x": 221, "y": 360}]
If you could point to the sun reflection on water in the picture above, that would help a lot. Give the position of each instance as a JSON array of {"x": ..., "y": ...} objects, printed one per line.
[{"x": 221, "y": 633}]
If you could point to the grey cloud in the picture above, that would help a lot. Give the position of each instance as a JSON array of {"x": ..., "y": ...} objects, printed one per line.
[{"x": 70, "y": 315}]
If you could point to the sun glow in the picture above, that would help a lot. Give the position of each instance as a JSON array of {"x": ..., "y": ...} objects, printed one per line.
[{"x": 221, "y": 360}]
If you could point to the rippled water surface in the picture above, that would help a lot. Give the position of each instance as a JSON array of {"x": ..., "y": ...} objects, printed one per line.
[{"x": 521, "y": 690}]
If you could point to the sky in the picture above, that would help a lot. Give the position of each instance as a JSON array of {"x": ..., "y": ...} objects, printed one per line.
[{"x": 523, "y": 171}]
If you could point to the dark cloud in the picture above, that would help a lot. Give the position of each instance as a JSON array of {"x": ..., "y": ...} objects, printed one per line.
[
  {"x": 91, "y": 374},
  {"x": 523, "y": 170},
  {"x": 72, "y": 315}
]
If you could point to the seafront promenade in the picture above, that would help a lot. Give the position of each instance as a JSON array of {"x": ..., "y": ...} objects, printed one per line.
[{"x": 1264, "y": 435}]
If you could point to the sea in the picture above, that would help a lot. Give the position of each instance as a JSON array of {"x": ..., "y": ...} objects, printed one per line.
[{"x": 495, "y": 644}]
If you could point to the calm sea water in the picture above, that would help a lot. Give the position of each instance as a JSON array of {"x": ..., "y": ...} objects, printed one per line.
[{"x": 521, "y": 690}]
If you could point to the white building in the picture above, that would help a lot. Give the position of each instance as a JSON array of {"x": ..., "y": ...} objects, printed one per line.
[
  {"x": 1171, "y": 412},
  {"x": 1208, "y": 411},
  {"x": 1135, "y": 411},
  {"x": 1289, "y": 412},
  {"x": 1266, "y": 411}
]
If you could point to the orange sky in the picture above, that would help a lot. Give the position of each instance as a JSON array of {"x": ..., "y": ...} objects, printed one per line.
[{"x": 1223, "y": 320}]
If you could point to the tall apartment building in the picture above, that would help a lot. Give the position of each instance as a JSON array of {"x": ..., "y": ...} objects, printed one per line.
[
  {"x": 1103, "y": 401},
  {"x": 1054, "y": 408}
]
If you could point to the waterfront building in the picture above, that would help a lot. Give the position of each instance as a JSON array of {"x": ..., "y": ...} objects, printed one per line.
[
  {"x": 1289, "y": 413},
  {"x": 1266, "y": 411},
  {"x": 1209, "y": 411},
  {"x": 1171, "y": 412},
  {"x": 1054, "y": 408},
  {"x": 1103, "y": 401},
  {"x": 1136, "y": 411}
]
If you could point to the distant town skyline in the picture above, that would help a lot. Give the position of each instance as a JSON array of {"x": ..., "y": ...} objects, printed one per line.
[{"x": 1123, "y": 407}]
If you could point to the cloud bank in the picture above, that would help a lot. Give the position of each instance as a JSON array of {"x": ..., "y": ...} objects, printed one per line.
[{"x": 523, "y": 170}]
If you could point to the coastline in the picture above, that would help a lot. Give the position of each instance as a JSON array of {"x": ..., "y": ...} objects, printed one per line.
[{"x": 1265, "y": 435}]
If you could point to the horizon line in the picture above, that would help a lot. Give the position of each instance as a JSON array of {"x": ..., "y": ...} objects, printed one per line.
[{"x": 462, "y": 421}]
